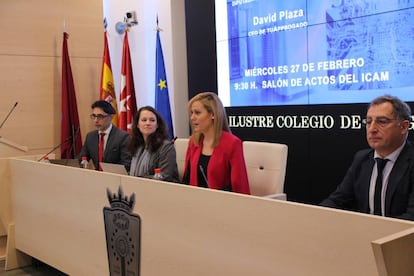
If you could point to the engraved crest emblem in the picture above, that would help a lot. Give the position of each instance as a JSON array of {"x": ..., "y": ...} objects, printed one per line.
[{"x": 123, "y": 234}]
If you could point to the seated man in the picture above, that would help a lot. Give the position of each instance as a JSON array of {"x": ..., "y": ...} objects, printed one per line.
[
  {"x": 107, "y": 143},
  {"x": 380, "y": 180}
]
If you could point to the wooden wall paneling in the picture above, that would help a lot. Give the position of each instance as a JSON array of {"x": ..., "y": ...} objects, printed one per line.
[
  {"x": 84, "y": 24},
  {"x": 30, "y": 27},
  {"x": 30, "y": 66},
  {"x": 32, "y": 85}
]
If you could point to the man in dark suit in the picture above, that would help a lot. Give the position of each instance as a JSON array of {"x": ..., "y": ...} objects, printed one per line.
[
  {"x": 365, "y": 189},
  {"x": 107, "y": 139}
]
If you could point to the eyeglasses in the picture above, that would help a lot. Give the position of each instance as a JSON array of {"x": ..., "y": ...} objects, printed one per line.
[
  {"x": 98, "y": 116},
  {"x": 380, "y": 121}
]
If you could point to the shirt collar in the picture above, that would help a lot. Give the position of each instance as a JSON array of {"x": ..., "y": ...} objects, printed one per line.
[
  {"x": 393, "y": 155},
  {"x": 107, "y": 131}
]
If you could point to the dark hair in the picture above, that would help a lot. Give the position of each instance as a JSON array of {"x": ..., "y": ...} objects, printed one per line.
[
  {"x": 400, "y": 109},
  {"x": 104, "y": 105},
  {"x": 155, "y": 140}
]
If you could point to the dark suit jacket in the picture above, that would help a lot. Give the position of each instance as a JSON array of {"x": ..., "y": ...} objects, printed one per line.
[
  {"x": 353, "y": 192},
  {"x": 116, "y": 150}
]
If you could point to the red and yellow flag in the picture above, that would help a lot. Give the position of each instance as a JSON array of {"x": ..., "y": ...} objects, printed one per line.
[{"x": 107, "y": 91}]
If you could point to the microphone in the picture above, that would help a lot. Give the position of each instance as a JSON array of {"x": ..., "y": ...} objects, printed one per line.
[
  {"x": 58, "y": 145},
  {"x": 7, "y": 116},
  {"x": 173, "y": 139},
  {"x": 52, "y": 150},
  {"x": 204, "y": 175}
]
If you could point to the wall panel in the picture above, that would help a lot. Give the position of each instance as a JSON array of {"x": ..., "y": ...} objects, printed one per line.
[{"x": 30, "y": 66}]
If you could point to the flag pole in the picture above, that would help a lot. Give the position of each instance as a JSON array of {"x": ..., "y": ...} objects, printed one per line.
[{"x": 73, "y": 151}]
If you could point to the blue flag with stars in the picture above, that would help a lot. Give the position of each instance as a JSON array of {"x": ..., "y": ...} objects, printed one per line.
[{"x": 162, "y": 99}]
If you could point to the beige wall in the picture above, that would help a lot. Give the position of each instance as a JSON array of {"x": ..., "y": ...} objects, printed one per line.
[{"x": 31, "y": 35}]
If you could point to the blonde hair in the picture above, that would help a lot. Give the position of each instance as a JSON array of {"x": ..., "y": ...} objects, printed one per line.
[{"x": 213, "y": 105}]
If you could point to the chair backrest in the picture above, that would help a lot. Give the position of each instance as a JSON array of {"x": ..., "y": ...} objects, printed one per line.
[
  {"x": 180, "y": 149},
  {"x": 266, "y": 167}
]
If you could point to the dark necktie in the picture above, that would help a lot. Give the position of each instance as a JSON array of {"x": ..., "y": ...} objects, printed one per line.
[
  {"x": 101, "y": 149},
  {"x": 378, "y": 185}
]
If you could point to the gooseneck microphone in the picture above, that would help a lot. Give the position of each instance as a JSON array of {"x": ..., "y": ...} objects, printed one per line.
[
  {"x": 52, "y": 150},
  {"x": 204, "y": 175},
  {"x": 58, "y": 145},
  {"x": 7, "y": 116}
]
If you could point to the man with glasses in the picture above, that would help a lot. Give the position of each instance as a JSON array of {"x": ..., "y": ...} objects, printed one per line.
[
  {"x": 380, "y": 180},
  {"x": 107, "y": 143}
]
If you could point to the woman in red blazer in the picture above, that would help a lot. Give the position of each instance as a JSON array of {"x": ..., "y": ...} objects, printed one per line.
[{"x": 214, "y": 157}]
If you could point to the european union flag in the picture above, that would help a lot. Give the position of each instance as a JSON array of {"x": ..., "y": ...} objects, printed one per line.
[{"x": 162, "y": 99}]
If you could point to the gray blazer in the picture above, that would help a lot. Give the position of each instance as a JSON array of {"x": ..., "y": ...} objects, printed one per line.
[
  {"x": 116, "y": 150},
  {"x": 164, "y": 158}
]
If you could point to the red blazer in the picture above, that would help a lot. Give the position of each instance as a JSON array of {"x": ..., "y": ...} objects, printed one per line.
[{"x": 226, "y": 165}]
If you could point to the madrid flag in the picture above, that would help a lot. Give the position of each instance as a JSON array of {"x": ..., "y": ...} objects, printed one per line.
[{"x": 127, "y": 102}]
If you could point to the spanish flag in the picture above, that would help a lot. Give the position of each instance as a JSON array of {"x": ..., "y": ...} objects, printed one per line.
[{"x": 107, "y": 92}]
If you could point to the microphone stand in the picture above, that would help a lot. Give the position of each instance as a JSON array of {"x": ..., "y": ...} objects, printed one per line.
[
  {"x": 7, "y": 116},
  {"x": 57, "y": 146},
  {"x": 75, "y": 136},
  {"x": 204, "y": 175},
  {"x": 5, "y": 141}
]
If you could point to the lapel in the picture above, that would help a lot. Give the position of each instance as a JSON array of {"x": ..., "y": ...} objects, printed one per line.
[
  {"x": 94, "y": 144},
  {"x": 108, "y": 143},
  {"x": 401, "y": 165},
  {"x": 366, "y": 172},
  {"x": 154, "y": 161}
]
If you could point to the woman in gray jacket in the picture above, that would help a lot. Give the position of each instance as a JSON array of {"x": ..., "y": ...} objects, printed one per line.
[{"x": 150, "y": 146}]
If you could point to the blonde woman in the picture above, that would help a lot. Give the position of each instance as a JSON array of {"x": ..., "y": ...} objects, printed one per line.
[{"x": 214, "y": 157}]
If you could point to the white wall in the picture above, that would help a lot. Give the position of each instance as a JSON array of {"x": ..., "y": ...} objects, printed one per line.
[{"x": 142, "y": 40}]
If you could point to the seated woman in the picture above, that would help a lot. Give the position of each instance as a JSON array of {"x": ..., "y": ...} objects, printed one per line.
[
  {"x": 150, "y": 146},
  {"x": 214, "y": 156}
]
